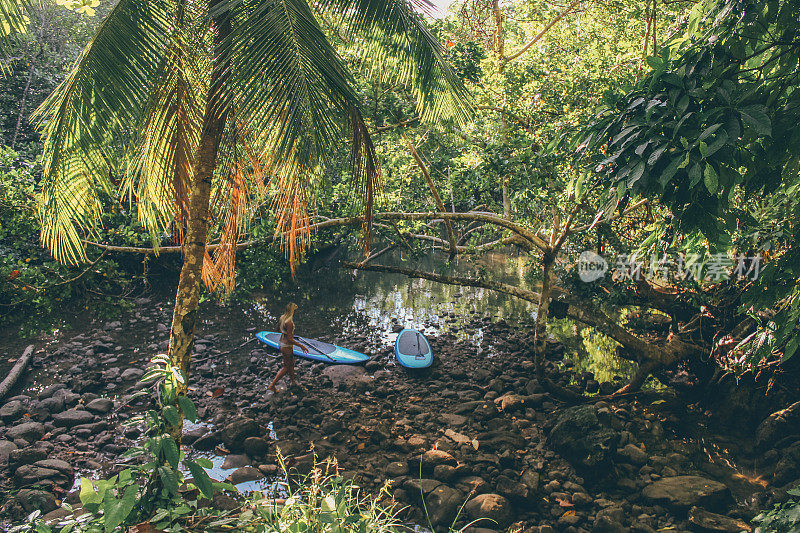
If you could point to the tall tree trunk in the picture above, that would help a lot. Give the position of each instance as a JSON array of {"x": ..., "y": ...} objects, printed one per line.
[
  {"x": 22, "y": 104},
  {"x": 543, "y": 310},
  {"x": 187, "y": 299}
]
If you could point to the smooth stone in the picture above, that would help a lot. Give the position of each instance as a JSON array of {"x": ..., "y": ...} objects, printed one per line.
[
  {"x": 72, "y": 417},
  {"x": 245, "y": 474},
  {"x": 683, "y": 492},
  {"x": 6, "y": 447},
  {"x": 708, "y": 522},
  {"x": 27, "y": 431},
  {"x": 100, "y": 406},
  {"x": 12, "y": 410},
  {"x": 36, "y": 500},
  {"x": 492, "y": 506},
  {"x": 235, "y": 461}
]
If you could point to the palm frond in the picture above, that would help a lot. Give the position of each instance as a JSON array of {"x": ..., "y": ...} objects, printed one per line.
[
  {"x": 395, "y": 43},
  {"x": 91, "y": 112},
  {"x": 161, "y": 169},
  {"x": 13, "y": 20},
  {"x": 292, "y": 90}
]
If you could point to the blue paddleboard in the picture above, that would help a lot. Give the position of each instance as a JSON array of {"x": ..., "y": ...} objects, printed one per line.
[
  {"x": 317, "y": 350},
  {"x": 412, "y": 349}
]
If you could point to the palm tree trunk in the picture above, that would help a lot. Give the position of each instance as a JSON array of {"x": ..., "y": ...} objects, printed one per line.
[{"x": 187, "y": 299}]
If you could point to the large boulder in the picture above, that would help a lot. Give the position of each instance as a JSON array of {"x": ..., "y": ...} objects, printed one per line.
[
  {"x": 493, "y": 507},
  {"x": 683, "y": 492},
  {"x": 778, "y": 425},
  {"x": 245, "y": 474},
  {"x": 582, "y": 438}
]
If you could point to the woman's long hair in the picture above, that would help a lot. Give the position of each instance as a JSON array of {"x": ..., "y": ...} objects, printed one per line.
[{"x": 288, "y": 315}]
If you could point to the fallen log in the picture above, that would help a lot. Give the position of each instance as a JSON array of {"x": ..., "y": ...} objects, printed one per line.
[{"x": 16, "y": 372}]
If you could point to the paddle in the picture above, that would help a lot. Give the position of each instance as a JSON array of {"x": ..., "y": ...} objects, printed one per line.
[{"x": 320, "y": 352}]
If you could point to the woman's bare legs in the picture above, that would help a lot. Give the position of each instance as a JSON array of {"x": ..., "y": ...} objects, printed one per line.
[{"x": 287, "y": 368}]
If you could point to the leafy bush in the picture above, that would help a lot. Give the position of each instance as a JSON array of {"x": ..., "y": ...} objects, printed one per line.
[{"x": 783, "y": 518}]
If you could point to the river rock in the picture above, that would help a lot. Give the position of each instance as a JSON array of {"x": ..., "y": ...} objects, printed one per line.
[
  {"x": 236, "y": 432},
  {"x": 57, "y": 464},
  {"x": 431, "y": 459},
  {"x": 346, "y": 374},
  {"x": 72, "y": 417},
  {"x": 36, "y": 500},
  {"x": 632, "y": 454},
  {"x": 100, "y": 406},
  {"x": 27, "y": 431},
  {"x": 25, "y": 456},
  {"x": 235, "y": 461},
  {"x": 131, "y": 374},
  {"x": 683, "y": 492},
  {"x": 707, "y": 522},
  {"x": 245, "y": 474},
  {"x": 396, "y": 469},
  {"x": 27, "y": 475},
  {"x": 443, "y": 503},
  {"x": 513, "y": 490},
  {"x": 6, "y": 447},
  {"x": 492, "y": 506},
  {"x": 207, "y": 441},
  {"x": 778, "y": 425},
  {"x": 256, "y": 446},
  {"x": 583, "y": 439},
  {"x": 12, "y": 410}
]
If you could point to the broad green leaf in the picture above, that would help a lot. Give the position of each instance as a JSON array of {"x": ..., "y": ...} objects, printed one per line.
[
  {"x": 171, "y": 415},
  {"x": 188, "y": 408},
  {"x": 710, "y": 179},
  {"x": 200, "y": 478},
  {"x": 756, "y": 116},
  {"x": 115, "y": 511},
  {"x": 171, "y": 452}
]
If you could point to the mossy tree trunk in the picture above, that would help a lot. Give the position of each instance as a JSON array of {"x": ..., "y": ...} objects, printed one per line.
[{"x": 187, "y": 298}]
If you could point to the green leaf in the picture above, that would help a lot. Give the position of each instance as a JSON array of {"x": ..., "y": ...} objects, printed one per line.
[
  {"x": 200, "y": 478},
  {"x": 205, "y": 463},
  {"x": 756, "y": 116},
  {"x": 169, "y": 479},
  {"x": 171, "y": 452},
  {"x": 90, "y": 498},
  {"x": 171, "y": 415},
  {"x": 188, "y": 408},
  {"x": 710, "y": 179},
  {"x": 670, "y": 171},
  {"x": 116, "y": 511}
]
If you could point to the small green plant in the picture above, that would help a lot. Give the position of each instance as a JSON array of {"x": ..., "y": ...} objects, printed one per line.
[
  {"x": 782, "y": 518},
  {"x": 320, "y": 502}
]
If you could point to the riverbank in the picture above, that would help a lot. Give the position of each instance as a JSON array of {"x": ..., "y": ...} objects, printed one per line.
[{"x": 475, "y": 428}]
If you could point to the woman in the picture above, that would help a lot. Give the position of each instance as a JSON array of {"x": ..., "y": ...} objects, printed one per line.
[{"x": 286, "y": 343}]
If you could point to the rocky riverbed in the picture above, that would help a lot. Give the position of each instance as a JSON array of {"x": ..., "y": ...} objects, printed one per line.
[{"x": 476, "y": 429}]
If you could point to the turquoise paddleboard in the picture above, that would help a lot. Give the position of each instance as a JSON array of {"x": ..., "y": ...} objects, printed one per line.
[
  {"x": 317, "y": 350},
  {"x": 412, "y": 349}
]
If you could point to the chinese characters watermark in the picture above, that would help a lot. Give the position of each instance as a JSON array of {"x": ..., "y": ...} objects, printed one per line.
[{"x": 677, "y": 267}]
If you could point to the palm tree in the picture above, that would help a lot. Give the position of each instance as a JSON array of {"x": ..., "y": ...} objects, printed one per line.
[{"x": 184, "y": 106}]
